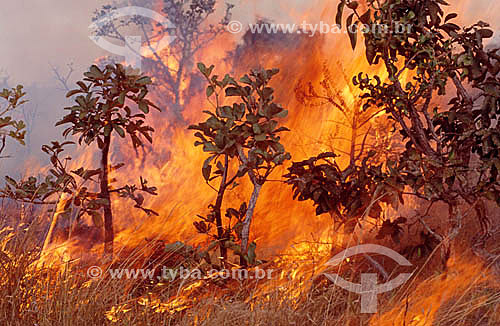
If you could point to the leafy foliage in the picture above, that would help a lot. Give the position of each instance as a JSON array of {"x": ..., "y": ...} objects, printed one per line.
[
  {"x": 102, "y": 110},
  {"x": 60, "y": 180},
  {"x": 250, "y": 125},
  {"x": 232, "y": 235},
  {"x": 245, "y": 132},
  {"x": 75, "y": 183},
  {"x": 9, "y": 127},
  {"x": 102, "y": 106},
  {"x": 347, "y": 194},
  {"x": 392, "y": 229},
  {"x": 451, "y": 151}
]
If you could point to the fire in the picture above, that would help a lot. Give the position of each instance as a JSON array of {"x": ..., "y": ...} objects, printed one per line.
[
  {"x": 279, "y": 219},
  {"x": 173, "y": 166},
  {"x": 287, "y": 232},
  {"x": 432, "y": 297}
]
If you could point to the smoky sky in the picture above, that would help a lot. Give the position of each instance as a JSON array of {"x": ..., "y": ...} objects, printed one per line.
[{"x": 34, "y": 33}]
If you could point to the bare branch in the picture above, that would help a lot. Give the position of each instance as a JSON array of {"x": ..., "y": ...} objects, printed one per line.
[{"x": 63, "y": 79}]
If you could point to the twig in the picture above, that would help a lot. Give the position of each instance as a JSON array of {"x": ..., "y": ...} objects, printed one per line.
[
  {"x": 63, "y": 79},
  {"x": 434, "y": 234},
  {"x": 377, "y": 266}
]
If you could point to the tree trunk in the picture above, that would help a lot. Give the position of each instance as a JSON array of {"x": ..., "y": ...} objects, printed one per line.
[
  {"x": 245, "y": 232},
  {"x": 354, "y": 135},
  {"x": 56, "y": 222},
  {"x": 108, "y": 214},
  {"x": 217, "y": 211},
  {"x": 455, "y": 221},
  {"x": 220, "y": 227}
]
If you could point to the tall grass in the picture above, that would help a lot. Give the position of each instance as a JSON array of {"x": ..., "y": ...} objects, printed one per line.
[{"x": 31, "y": 294}]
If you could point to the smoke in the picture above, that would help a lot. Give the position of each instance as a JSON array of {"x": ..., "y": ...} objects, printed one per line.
[
  {"x": 34, "y": 33},
  {"x": 34, "y": 37},
  {"x": 37, "y": 34}
]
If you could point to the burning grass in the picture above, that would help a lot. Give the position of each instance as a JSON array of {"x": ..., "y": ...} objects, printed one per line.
[{"x": 63, "y": 294}]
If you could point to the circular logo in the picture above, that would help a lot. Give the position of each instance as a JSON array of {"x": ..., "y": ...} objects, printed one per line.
[
  {"x": 94, "y": 272},
  {"x": 234, "y": 27},
  {"x": 133, "y": 44},
  {"x": 368, "y": 288}
]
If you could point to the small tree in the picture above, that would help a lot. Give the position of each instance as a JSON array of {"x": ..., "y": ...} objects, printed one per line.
[
  {"x": 354, "y": 191},
  {"x": 349, "y": 194},
  {"x": 189, "y": 24},
  {"x": 242, "y": 138},
  {"x": 102, "y": 109},
  {"x": 366, "y": 132},
  {"x": 451, "y": 150}
]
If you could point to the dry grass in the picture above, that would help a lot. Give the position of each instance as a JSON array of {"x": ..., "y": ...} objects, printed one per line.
[{"x": 31, "y": 295}]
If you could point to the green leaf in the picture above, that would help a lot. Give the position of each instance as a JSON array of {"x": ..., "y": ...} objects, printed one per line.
[
  {"x": 11, "y": 181},
  {"x": 250, "y": 256},
  {"x": 210, "y": 90},
  {"x": 282, "y": 114},
  {"x": 144, "y": 107},
  {"x": 81, "y": 100},
  {"x": 450, "y": 16},
  {"x": 233, "y": 91},
  {"x": 353, "y": 35},
  {"x": 207, "y": 168},
  {"x": 73, "y": 92},
  {"x": 202, "y": 68},
  {"x": 340, "y": 12},
  {"x": 82, "y": 86},
  {"x": 121, "y": 98},
  {"x": 280, "y": 129},
  {"x": 102, "y": 202},
  {"x": 260, "y": 137},
  {"x": 144, "y": 81},
  {"x": 256, "y": 128},
  {"x": 246, "y": 80},
  {"x": 485, "y": 33},
  {"x": 119, "y": 130},
  {"x": 96, "y": 71},
  {"x": 209, "y": 147},
  {"x": 107, "y": 130}
]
